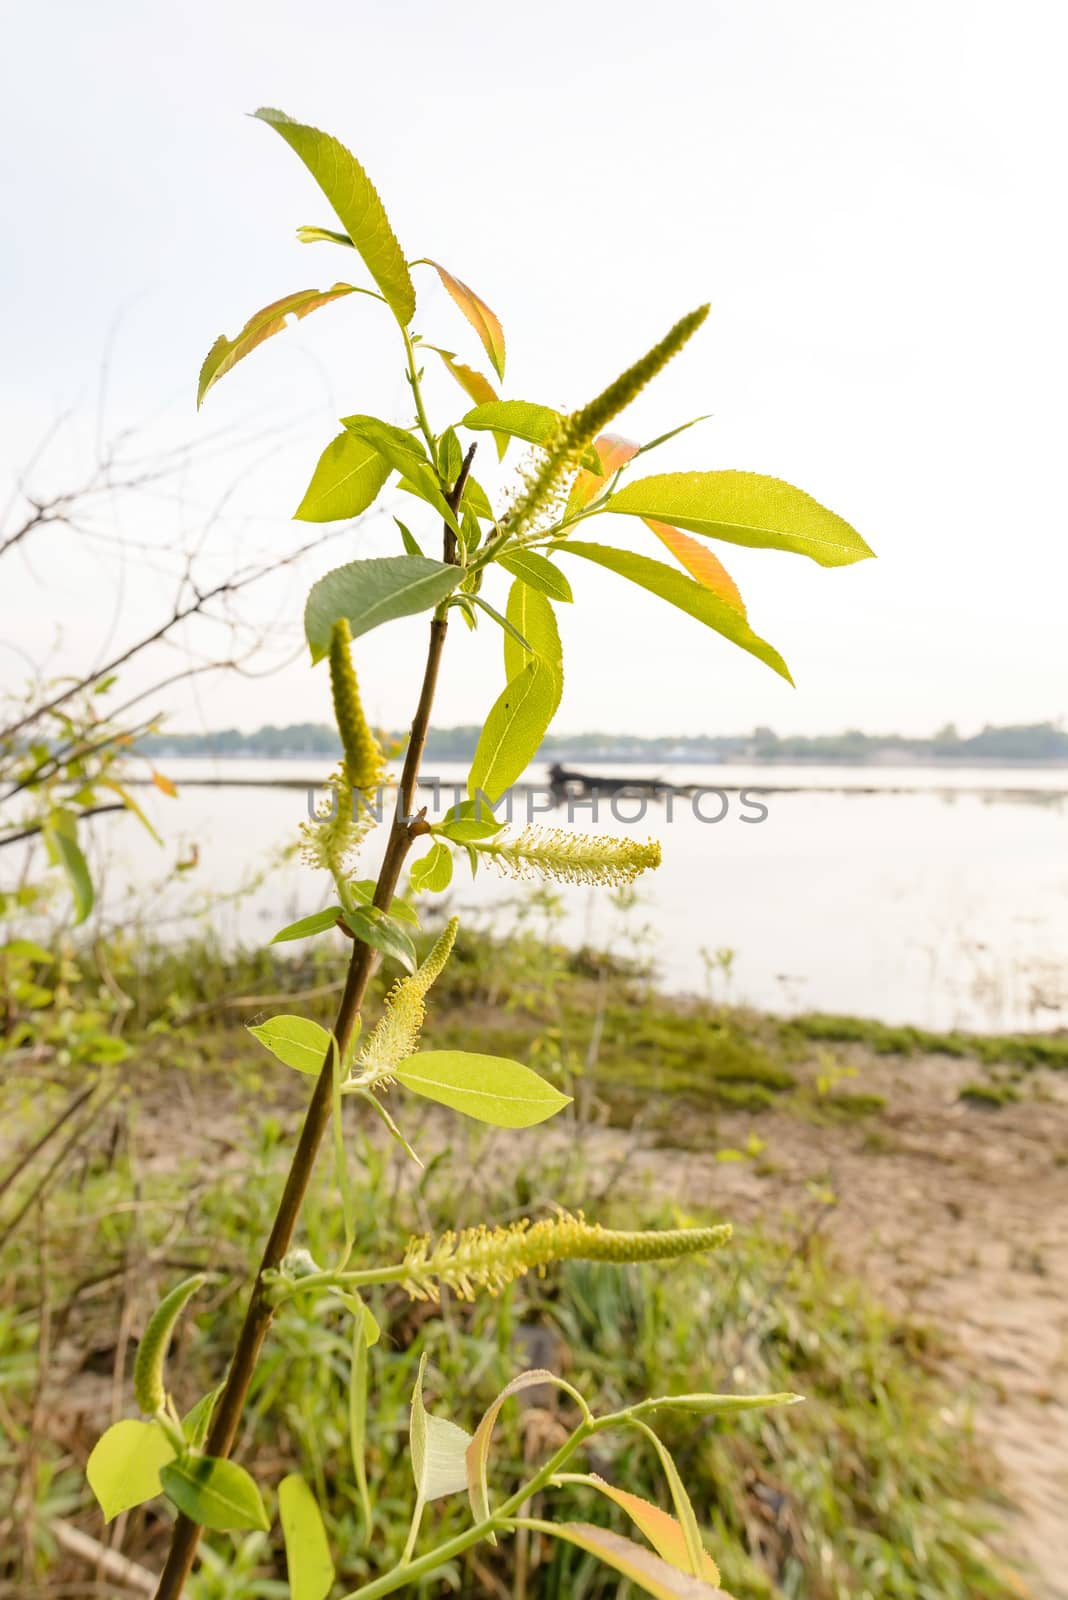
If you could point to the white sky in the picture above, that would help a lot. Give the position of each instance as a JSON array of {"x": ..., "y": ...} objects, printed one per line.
[{"x": 870, "y": 195}]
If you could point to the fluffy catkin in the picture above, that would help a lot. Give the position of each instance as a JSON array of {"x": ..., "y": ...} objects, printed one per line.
[
  {"x": 548, "y": 479},
  {"x": 490, "y": 1258},
  {"x": 561, "y": 856},
  {"x": 396, "y": 1034}
]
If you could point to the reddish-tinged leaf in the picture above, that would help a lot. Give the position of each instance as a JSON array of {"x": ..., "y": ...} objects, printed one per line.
[
  {"x": 482, "y": 319},
  {"x": 226, "y": 353},
  {"x": 613, "y": 451},
  {"x": 165, "y": 784},
  {"x": 651, "y": 1574},
  {"x": 475, "y": 384},
  {"x": 699, "y": 562},
  {"x": 662, "y": 1530}
]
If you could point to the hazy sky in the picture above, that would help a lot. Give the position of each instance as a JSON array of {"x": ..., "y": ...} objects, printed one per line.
[{"x": 870, "y": 195}]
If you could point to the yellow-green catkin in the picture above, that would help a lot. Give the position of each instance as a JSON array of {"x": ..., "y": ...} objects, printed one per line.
[
  {"x": 396, "y": 1033},
  {"x": 491, "y": 1258},
  {"x": 364, "y": 762},
  {"x": 546, "y": 483},
  {"x": 561, "y": 856},
  {"x": 331, "y": 839}
]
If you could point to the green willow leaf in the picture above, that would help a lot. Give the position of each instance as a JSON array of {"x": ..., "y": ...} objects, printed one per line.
[
  {"x": 295, "y": 1041},
  {"x": 514, "y": 730},
  {"x": 433, "y": 872},
  {"x": 226, "y": 353},
  {"x": 365, "y": 1332},
  {"x": 538, "y": 572},
  {"x": 124, "y": 1465},
  {"x": 357, "y": 205},
  {"x": 533, "y": 618},
  {"x": 368, "y": 593},
  {"x": 318, "y": 922},
  {"x": 348, "y": 478},
  {"x": 64, "y": 849},
  {"x": 375, "y": 928},
  {"x": 523, "y": 420},
  {"x": 216, "y": 1493},
  {"x": 406, "y": 456},
  {"x": 744, "y": 508},
  {"x": 678, "y": 590},
  {"x": 308, "y": 1560},
  {"x": 488, "y": 1088}
]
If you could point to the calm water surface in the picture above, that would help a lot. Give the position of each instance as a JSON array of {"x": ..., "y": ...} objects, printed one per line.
[{"x": 938, "y": 897}]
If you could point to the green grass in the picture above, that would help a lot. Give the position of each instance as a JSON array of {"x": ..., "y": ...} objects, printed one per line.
[
  {"x": 1020, "y": 1049},
  {"x": 873, "y": 1490}
]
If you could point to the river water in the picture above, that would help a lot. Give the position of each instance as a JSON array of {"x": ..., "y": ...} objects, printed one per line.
[{"x": 933, "y": 896}]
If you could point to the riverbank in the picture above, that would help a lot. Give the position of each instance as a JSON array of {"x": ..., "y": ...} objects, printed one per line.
[{"x": 897, "y": 1258}]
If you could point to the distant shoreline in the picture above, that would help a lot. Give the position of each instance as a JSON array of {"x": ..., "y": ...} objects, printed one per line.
[{"x": 1038, "y": 744}]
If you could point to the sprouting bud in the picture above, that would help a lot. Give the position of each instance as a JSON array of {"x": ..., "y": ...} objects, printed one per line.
[
  {"x": 363, "y": 758},
  {"x": 563, "y": 856},
  {"x": 396, "y": 1034},
  {"x": 490, "y": 1258},
  {"x": 546, "y": 483}
]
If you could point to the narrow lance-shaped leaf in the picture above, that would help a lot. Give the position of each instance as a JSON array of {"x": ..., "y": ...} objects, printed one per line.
[
  {"x": 681, "y": 591},
  {"x": 538, "y": 572},
  {"x": 651, "y": 1574},
  {"x": 226, "y": 353},
  {"x": 513, "y": 731},
  {"x": 662, "y": 1530},
  {"x": 485, "y": 322},
  {"x": 357, "y": 205},
  {"x": 744, "y": 508},
  {"x": 306, "y": 927},
  {"x": 704, "y": 567},
  {"x": 522, "y": 420},
  {"x": 65, "y": 850},
  {"x": 694, "y": 1555},
  {"x": 308, "y": 1560},
  {"x": 348, "y": 478},
  {"x": 475, "y": 385},
  {"x": 358, "y": 1412},
  {"x": 488, "y": 1088},
  {"x": 368, "y": 593},
  {"x": 534, "y": 620}
]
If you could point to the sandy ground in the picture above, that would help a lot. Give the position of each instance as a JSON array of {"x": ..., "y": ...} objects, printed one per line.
[{"x": 958, "y": 1217}]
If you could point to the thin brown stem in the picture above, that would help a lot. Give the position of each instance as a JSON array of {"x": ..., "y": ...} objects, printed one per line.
[{"x": 258, "y": 1316}]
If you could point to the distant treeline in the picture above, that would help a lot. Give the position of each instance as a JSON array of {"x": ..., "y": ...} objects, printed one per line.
[{"x": 1036, "y": 741}]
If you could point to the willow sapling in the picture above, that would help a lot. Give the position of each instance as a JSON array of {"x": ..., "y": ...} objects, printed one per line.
[{"x": 573, "y": 472}]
